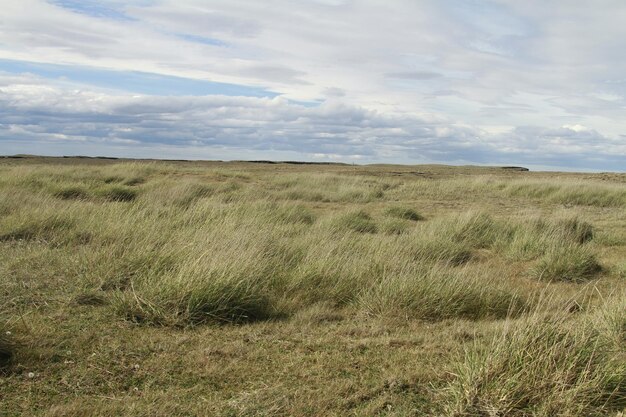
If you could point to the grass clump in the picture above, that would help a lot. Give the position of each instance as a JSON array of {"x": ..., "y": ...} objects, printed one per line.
[
  {"x": 529, "y": 240},
  {"x": 194, "y": 192},
  {"x": 293, "y": 214},
  {"x": 47, "y": 228},
  {"x": 439, "y": 249},
  {"x": 404, "y": 213},
  {"x": 90, "y": 298},
  {"x": 570, "y": 262},
  {"x": 7, "y": 348},
  {"x": 72, "y": 193},
  {"x": 544, "y": 367},
  {"x": 117, "y": 193},
  {"x": 232, "y": 284},
  {"x": 440, "y": 293},
  {"x": 177, "y": 301},
  {"x": 395, "y": 227},
  {"x": 356, "y": 221},
  {"x": 134, "y": 181}
]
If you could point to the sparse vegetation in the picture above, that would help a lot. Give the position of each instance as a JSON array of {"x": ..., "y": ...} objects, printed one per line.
[{"x": 275, "y": 289}]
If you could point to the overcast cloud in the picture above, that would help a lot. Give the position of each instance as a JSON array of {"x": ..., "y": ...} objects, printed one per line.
[{"x": 502, "y": 82}]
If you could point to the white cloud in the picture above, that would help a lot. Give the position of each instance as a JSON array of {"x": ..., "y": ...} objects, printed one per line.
[
  {"x": 54, "y": 116},
  {"x": 399, "y": 71}
]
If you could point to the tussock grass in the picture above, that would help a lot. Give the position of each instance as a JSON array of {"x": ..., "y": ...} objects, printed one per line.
[
  {"x": 134, "y": 181},
  {"x": 440, "y": 293},
  {"x": 567, "y": 263},
  {"x": 404, "y": 213},
  {"x": 395, "y": 227},
  {"x": 72, "y": 193},
  {"x": 193, "y": 192},
  {"x": 356, "y": 221},
  {"x": 41, "y": 226},
  {"x": 116, "y": 193},
  {"x": 208, "y": 284},
  {"x": 545, "y": 367}
]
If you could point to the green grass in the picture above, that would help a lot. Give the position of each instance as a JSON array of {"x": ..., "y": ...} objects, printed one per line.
[
  {"x": 404, "y": 213},
  {"x": 72, "y": 193},
  {"x": 357, "y": 221},
  {"x": 545, "y": 367},
  {"x": 249, "y": 289},
  {"x": 567, "y": 263},
  {"x": 117, "y": 193}
]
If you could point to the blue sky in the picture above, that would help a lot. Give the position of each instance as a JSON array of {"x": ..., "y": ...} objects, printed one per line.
[{"x": 500, "y": 82}]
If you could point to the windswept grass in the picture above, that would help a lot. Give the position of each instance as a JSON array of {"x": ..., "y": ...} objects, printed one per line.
[
  {"x": 441, "y": 293},
  {"x": 566, "y": 191},
  {"x": 356, "y": 221},
  {"x": 567, "y": 263},
  {"x": 116, "y": 193},
  {"x": 546, "y": 367},
  {"x": 404, "y": 213},
  {"x": 275, "y": 289},
  {"x": 36, "y": 225}
]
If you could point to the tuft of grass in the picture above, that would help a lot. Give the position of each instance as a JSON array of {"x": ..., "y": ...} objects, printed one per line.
[
  {"x": 117, "y": 193},
  {"x": 47, "y": 228},
  {"x": 192, "y": 300},
  {"x": 72, "y": 193},
  {"x": 569, "y": 262},
  {"x": 7, "y": 348},
  {"x": 356, "y": 221},
  {"x": 440, "y": 293},
  {"x": 439, "y": 249},
  {"x": 90, "y": 298},
  {"x": 531, "y": 239},
  {"x": 544, "y": 367},
  {"x": 231, "y": 285},
  {"x": 194, "y": 192},
  {"x": 395, "y": 227},
  {"x": 134, "y": 181},
  {"x": 112, "y": 179},
  {"x": 293, "y": 214},
  {"x": 404, "y": 213}
]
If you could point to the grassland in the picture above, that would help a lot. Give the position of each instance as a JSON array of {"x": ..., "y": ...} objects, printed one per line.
[{"x": 248, "y": 289}]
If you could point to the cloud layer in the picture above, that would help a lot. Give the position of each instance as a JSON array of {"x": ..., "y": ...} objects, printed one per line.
[{"x": 453, "y": 81}]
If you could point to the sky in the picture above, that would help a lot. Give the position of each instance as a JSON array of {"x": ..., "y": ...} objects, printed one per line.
[{"x": 535, "y": 83}]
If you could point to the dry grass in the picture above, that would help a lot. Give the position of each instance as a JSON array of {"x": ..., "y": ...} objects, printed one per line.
[{"x": 283, "y": 290}]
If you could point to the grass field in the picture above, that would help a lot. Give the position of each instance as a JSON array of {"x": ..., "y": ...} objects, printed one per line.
[{"x": 254, "y": 289}]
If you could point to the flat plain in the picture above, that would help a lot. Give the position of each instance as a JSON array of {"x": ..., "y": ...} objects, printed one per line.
[{"x": 156, "y": 288}]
